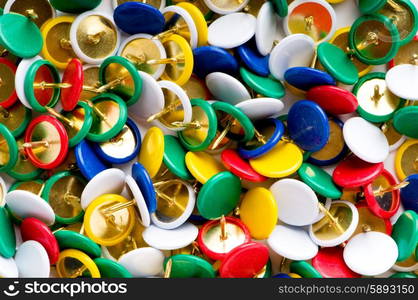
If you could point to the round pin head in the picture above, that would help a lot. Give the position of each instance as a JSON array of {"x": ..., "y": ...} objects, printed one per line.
[
  {"x": 68, "y": 239},
  {"x": 93, "y": 46},
  {"x": 174, "y": 157},
  {"x": 337, "y": 225},
  {"x": 374, "y": 39},
  {"x": 74, "y": 77},
  {"x": 57, "y": 48},
  {"x": 259, "y": 212},
  {"x": 252, "y": 59},
  {"x": 404, "y": 16},
  {"x": 175, "y": 203},
  {"x": 32, "y": 260},
  {"x": 73, "y": 263},
  {"x": 265, "y": 86},
  {"x": 137, "y": 17},
  {"x": 218, "y": 237},
  {"x": 144, "y": 182},
  {"x": 232, "y": 120},
  {"x": 376, "y": 102},
  {"x": 111, "y": 269},
  {"x": 189, "y": 266},
  {"x": 354, "y": 172},
  {"x": 365, "y": 140},
  {"x": 41, "y": 73},
  {"x": 165, "y": 239},
  {"x": 226, "y": 88},
  {"x": 266, "y": 30},
  {"x": 297, "y": 201},
  {"x": 89, "y": 163},
  {"x": 152, "y": 151},
  {"x": 16, "y": 118},
  {"x": 319, "y": 180},
  {"x": 123, "y": 147},
  {"x": 177, "y": 107},
  {"x": 292, "y": 242},
  {"x": 213, "y": 206},
  {"x": 63, "y": 191},
  {"x": 200, "y": 136},
  {"x": 199, "y": 21},
  {"x": 110, "y": 115},
  {"x": 261, "y": 108},
  {"x": 404, "y": 233},
  {"x": 8, "y": 241},
  {"x": 329, "y": 262},
  {"x": 133, "y": 191},
  {"x": 400, "y": 83},
  {"x": 115, "y": 226},
  {"x": 202, "y": 165},
  {"x": 244, "y": 261},
  {"x": 228, "y": 7},
  {"x": 335, "y": 149},
  {"x": 333, "y": 99},
  {"x": 74, "y": 6},
  {"x": 239, "y": 167},
  {"x": 382, "y": 200},
  {"x": 24, "y": 204},
  {"x": 35, "y": 230},
  {"x": 224, "y": 33},
  {"x": 141, "y": 48},
  {"x": 143, "y": 262},
  {"x": 314, "y": 18},
  {"x": 337, "y": 63},
  {"x": 305, "y": 78},
  {"x": 370, "y": 253},
  {"x": 308, "y": 125},
  {"x": 8, "y": 268},
  {"x": 7, "y": 89},
  {"x": 296, "y": 50},
  {"x": 8, "y": 149},
  {"x": 209, "y": 59},
  {"x": 281, "y": 161},
  {"x": 46, "y": 142},
  {"x": 409, "y": 193},
  {"x": 340, "y": 39},
  {"x": 20, "y": 36}
]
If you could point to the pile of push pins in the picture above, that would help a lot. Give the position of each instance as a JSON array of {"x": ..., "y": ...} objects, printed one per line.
[{"x": 208, "y": 138}]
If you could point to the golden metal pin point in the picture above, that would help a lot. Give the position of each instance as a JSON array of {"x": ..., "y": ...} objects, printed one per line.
[
  {"x": 168, "y": 267},
  {"x": 173, "y": 30},
  {"x": 414, "y": 59},
  {"x": 376, "y": 94},
  {"x": 31, "y": 14},
  {"x": 381, "y": 191},
  {"x": 170, "y": 108},
  {"x": 222, "y": 222},
  {"x": 78, "y": 272},
  {"x": 309, "y": 20},
  {"x": 333, "y": 221},
  {"x": 395, "y": 6}
]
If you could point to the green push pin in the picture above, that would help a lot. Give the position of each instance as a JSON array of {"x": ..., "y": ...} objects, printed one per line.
[
  {"x": 202, "y": 130},
  {"x": 373, "y": 39},
  {"x": 405, "y": 232},
  {"x": 319, "y": 180},
  {"x": 75, "y": 6},
  {"x": 23, "y": 169},
  {"x": 63, "y": 191},
  {"x": 280, "y": 7},
  {"x": 174, "y": 157},
  {"x": 213, "y": 205},
  {"x": 8, "y": 240},
  {"x": 376, "y": 103},
  {"x": 187, "y": 266},
  {"x": 262, "y": 86},
  {"x": 110, "y": 114},
  {"x": 304, "y": 269},
  {"x": 111, "y": 269},
  {"x": 68, "y": 239},
  {"x": 404, "y": 121},
  {"x": 20, "y": 35}
]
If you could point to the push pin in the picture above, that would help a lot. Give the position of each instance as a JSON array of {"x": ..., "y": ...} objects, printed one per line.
[
  {"x": 365, "y": 44},
  {"x": 217, "y": 237},
  {"x": 74, "y": 263},
  {"x": 15, "y": 118}
]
